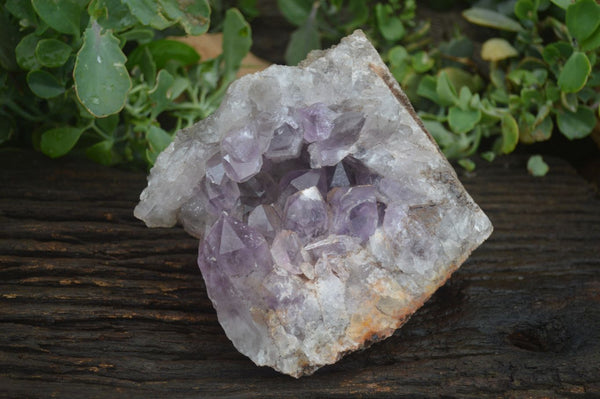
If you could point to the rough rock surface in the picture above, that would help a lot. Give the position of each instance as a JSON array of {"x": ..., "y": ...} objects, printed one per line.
[{"x": 327, "y": 213}]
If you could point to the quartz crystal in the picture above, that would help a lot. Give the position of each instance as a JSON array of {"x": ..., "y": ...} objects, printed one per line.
[{"x": 326, "y": 212}]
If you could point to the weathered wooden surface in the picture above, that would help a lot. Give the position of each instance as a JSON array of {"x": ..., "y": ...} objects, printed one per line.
[{"x": 94, "y": 304}]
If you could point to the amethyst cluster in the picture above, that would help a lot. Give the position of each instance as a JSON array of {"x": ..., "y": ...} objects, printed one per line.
[{"x": 326, "y": 213}]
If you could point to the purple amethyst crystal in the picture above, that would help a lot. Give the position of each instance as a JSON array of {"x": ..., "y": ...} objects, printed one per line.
[
  {"x": 285, "y": 144},
  {"x": 287, "y": 251},
  {"x": 327, "y": 215},
  {"x": 317, "y": 121},
  {"x": 241, "y": 153},
  {"x": 305, "y": 213},
  {"x": 345, "y": 132},
  {"x": 266, "y": 220},
  {"x": 354, "y": 211}
]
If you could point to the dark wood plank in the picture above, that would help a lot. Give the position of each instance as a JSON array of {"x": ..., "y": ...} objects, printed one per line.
[{"x": 94, "y": 304}]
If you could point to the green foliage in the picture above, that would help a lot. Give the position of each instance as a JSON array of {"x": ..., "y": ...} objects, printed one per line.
[
  {"x": 536, "y": 166},
  {"x": 541, "y": 71},
  {"x": 98, "y": 77}
]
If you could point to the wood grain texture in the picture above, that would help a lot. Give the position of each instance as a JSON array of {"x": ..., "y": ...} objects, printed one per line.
[{"x": 93, "y": 304}]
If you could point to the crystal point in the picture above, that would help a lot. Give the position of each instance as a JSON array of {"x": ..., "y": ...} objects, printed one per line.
[{"x": 327, "y": 214}]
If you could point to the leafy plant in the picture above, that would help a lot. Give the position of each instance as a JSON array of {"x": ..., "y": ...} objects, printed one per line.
[
  {"x": 538, "y": 75},
  {"x": 321, "y": 23},
  {"x": 102, "y": 77}
]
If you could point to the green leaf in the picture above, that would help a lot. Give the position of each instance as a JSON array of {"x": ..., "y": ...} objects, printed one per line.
[
  {"x": 359, "y": 11},
  {"x": 445, "y": 90},
  {"x": 576, "y": 125},
  {"x": 583, "y": 18},
  {"x": 462, "y": 121},
  {"x": 160, "y": 95},
  {"x": 52, "y": 53},
  {"x": 237, "y": 40},
  {"x": 148, "y": 13},
  {"x": 138, "y": 34},
  {"x": 592, "y": 42},
  {"x": 510, "y": 133},
  {"x": 295, "y": 11},
  {"x": 25, "y": 52},
  {"x": 61, "y": 15},
  {"x": 158, "y": 140},
  {"x": 43, "y": 84},
  {"x": 108, "y": 124},
  {"x": 557, "y": 51},
  {"x": 441, "y": 135},
  {"x": 459, "y": 78},
  {"x": 564, "y": 4},
  {"x": 569, "y": 101},
  {"x": 302, "y": 41},
  {"x": 488, "y": 155},
  {"x": 422, "y": 62},
  {"x": 574, "y": 74},
  {"x": 491, "y": 19},
  {"x": 464, "y": 97},
  {"x": 7, "y": 128},
  {"x": 57, "y": 142},
  {"x": 536, "y": 166},
  {"x": 467, "y": 164},
  {"x": 22, "y": 10},
  {"x": 101, "y": 152},
  {"x": 112, "y": 14},
  {"x": 525, "y": 9},
  {"x": 497, "y": 49},
  {"x": 427, "y": 88},
  {"x": 101, "y": 79},
  {"x": 163, "y": 51},
  {"x": 390, "y": 26},
  {"x": 193, "y": 16},
  {"x": 397, "y": 55}
]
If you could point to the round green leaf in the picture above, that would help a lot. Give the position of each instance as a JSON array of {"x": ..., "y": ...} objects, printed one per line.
[
  {"x": 397, "y": 55},
  {"x": 510, "y": 133},
  {"x": 52, "y": 53},
  {"x": 576, "y": 125},
  {"x": 583, "y": 17},
  {"x": 491, "y": 19},
  {"x": 524, "y": 9},
  {"x": 101, "y": 152},
  {"x": 43, "y": 84},
  {"x": 462, "y": 121},
  {"x": 536, "y": 166},
  {"x": 61, "y": 15},
  {"x": 422, "y": 62},
  {"x": 390, "y": 26},
  {"x": 101, "y": 79},
  {"x": 57, "y": 142},
  {"x": 25, "y": 52},
  {"x": 574, "y": 74}
]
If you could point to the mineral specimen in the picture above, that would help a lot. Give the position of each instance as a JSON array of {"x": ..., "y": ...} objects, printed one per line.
[{"x": 327, "y": 214}]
